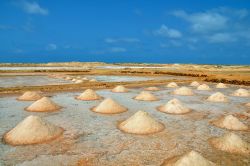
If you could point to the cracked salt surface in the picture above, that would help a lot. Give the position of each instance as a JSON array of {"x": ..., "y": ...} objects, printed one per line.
[{"x": 92, "y": 138}]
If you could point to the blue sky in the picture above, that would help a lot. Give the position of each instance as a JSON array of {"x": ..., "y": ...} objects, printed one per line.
[{"x": 156, "y": 31}]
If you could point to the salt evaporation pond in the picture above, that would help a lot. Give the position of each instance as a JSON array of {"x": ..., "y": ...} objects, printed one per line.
[
  {"x": 94, "y": 138},
  {"x": 14, "y": 81},
  {"x": 110, "y": 78}
]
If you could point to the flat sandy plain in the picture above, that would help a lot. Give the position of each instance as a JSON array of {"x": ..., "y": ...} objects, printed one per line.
[{"x": 93, "y": 139}]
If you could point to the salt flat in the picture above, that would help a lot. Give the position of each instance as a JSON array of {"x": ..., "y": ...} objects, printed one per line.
[{"x": 94, "y": 138}]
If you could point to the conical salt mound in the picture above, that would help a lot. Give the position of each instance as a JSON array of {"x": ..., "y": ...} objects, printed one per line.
[
  {"x": 79, "y": 81},
  {"x": 74, "y": 80},
  {"x": 93, "y": 80},
  {"x": 172, "y": 85},
  {"x": 68, "y": 78},
  {"x": 191, "y": 158},
  {"x": 152, "y": 88},
  {"x": 146, "y": 96},
  {"x": 43, "y": 105},
  {"x": 32, "y": 130},
  {"x": 203, "y": 87},
  {"x": 230, "y": 122},
  {"x": 141, "y": 123},
  {"x": 84, "y": 79},
  {"x": 30, "y": 96},
  {"x": 109, "y": 106},
  {"x": 183, "y": 91},
  {"x": 221, "y": 85},
  {"x": 232, "y": 143},
  {"x": 195, "y": 84},
  {"x": 241, "y": 92},
  {"x": 89, "y": 94},
  {"x": 120, "y": 89},
  {"x": 217, "y": 97},
  {"x": 173, "y": 106}
]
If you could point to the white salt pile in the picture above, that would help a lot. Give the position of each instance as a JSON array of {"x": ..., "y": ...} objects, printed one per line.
[
  {"x": 93, "y": 80},
  {"x": 241, "y": 93},
  {"x": 172, "y": 85},
  {"x": 221, "y": 85},
  {"x": 230, "y": 122},
  {"x": 203, "y": 87},
  {"x": 183, "y": 91},
  {"x": 173, "y": 106},
  {"x": 195, "y": 84},
  {"x": 32, "y": 130},
  {"x": 79, "y": 81},
  {"x": 30, "y": 96},
  {"x": 68, "y": 78},
  {"x": 141, "y": 123},
  {"x": 119, "y": 89},
  {"x": 84, "y": 79},
  {"x": 146, "y": 96},
  {"x": 43, "y": 105},
  {"x": 191, "y": 158},
  {"x": 218, "y": 97},
  {"x": 109, "y": 106},
  {"x": 231, "y": 143},
  {"x": 89, "y": 94}
]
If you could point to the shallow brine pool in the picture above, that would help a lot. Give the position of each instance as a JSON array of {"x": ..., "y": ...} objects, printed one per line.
[
  {"x": 15, "y": 81},
  {"x": 110, "y": 78}
]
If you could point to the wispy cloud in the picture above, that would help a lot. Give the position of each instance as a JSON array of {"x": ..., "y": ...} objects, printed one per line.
[
  {"x": 171, "y": 43},
  {"x": 32, "y": 7},
  {"x": 218, "y": 25},
  {"x": 51, "y": 47},
  {"x": 164, "y": 31},
  {"x": 221, "y": 38},
  {"x": 118, "y": 40},
  {"x": 117, "y": 49},
  {"x": 108, "y": 50},
  {"x": 203, "y": 22}
]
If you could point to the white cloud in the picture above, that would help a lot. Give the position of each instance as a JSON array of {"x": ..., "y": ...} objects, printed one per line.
[
  {"x": 221, "y": 38},
  {"x": 171, "y": 43},
  {"x": 203, "y": 22},
  {"x": 192, "y": 39},
  {"x": 237, "y": 13},
  {"x": 33, "y": 8},
  {"x": 117, "y": 49},
  {"x": 117, "y": 40},
  {"x": 176, "y": 43},
  {"x": 51, "y": 47},
  {"x": 168, "y": 32}
]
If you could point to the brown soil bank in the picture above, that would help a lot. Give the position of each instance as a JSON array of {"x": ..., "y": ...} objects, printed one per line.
[{"x": 82, "y": 86}]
